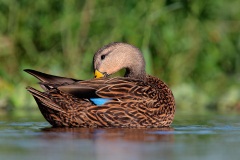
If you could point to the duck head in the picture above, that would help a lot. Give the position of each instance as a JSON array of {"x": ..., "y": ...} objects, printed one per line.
[{"x": 116, "y": 56}]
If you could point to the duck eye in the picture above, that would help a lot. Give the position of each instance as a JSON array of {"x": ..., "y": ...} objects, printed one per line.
[{"x": 103, "y": 57}]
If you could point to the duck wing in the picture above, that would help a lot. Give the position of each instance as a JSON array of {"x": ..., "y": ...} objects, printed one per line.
[
  {"x": 105, "y": 88},
  {"x": 51, "y": 80},
  {"x": 43, "y": 77}
]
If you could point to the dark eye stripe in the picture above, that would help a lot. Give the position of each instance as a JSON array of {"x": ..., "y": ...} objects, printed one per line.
[{"x": 106, "y": 54}]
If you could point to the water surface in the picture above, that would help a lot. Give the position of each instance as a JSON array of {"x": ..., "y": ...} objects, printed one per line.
[{"x": 190, "y": 137}]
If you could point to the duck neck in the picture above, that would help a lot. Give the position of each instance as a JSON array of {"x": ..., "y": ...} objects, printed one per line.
[
  {"x": 135, "y": 65},
  {"x": 132, "y": 72}
]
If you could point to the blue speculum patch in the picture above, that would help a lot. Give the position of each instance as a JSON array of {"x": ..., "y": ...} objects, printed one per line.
[{"x": 99, "y": 101}]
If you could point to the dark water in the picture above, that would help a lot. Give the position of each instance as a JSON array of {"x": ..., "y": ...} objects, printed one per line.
[{"x": 189, "y": 138}]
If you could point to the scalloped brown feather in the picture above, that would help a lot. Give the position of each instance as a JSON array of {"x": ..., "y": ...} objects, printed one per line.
[{"x": 134, "y": 103}]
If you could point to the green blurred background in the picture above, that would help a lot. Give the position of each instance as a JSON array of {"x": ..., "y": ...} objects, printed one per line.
[{"x": 194, "y": 46}]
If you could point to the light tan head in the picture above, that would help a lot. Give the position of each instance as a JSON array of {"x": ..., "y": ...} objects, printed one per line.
[{"x": 116, "y": 56}]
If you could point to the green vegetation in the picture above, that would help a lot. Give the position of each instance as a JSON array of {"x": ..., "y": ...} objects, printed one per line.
[{"x": 194, "y": 46}]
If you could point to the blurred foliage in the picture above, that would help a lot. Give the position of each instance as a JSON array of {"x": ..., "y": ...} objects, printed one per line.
[{"x": 192, "y": 45}]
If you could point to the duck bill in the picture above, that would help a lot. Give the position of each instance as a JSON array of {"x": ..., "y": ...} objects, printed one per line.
[{"x": 98, "y": 74}]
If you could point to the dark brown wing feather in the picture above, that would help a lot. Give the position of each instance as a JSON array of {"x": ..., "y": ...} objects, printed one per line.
[
  {"x": 43, "y": 77},
  {"x": 133, "y": 103}
]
